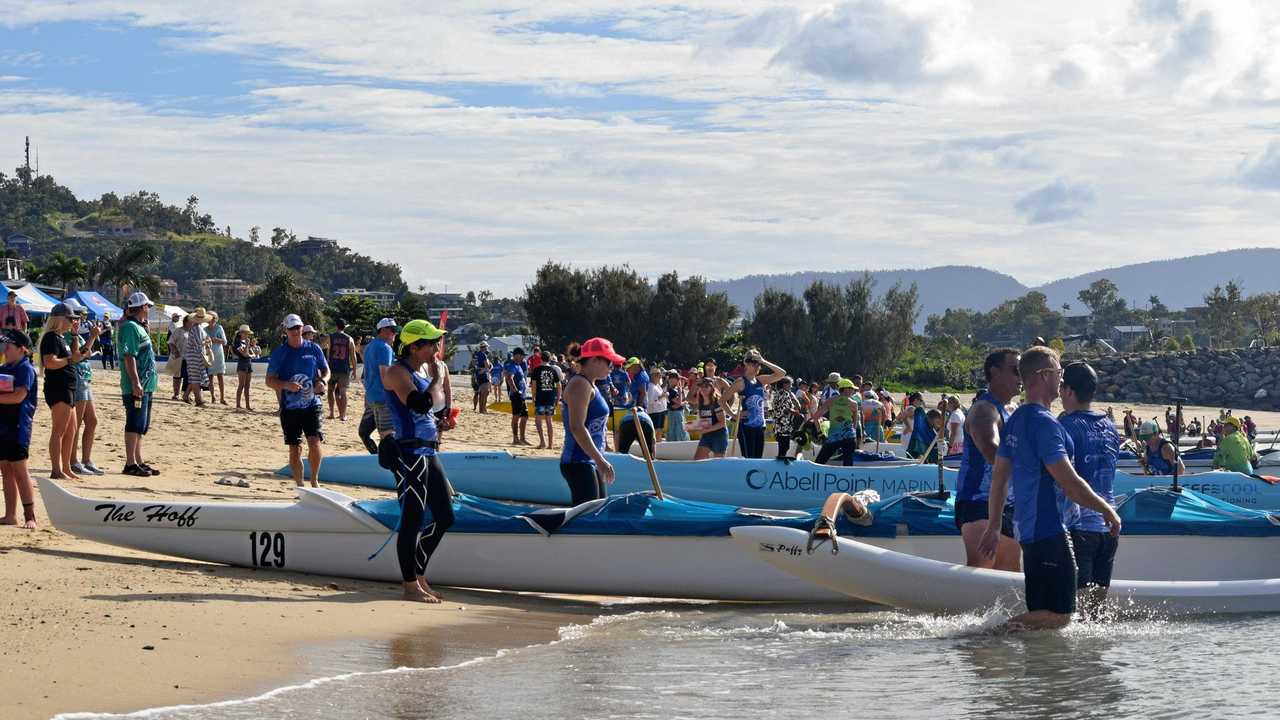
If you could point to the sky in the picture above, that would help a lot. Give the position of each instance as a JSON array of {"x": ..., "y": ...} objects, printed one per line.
[{"x": 470, "y": 142}]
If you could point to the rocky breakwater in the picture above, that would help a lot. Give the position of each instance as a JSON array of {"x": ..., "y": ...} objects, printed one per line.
[{"x": 1246, "y": 379}]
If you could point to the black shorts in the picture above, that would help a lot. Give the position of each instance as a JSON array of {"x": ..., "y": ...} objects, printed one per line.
[
  {"x": 297, "y": 423},
  {"x": 61, "y": 393},
  {"x": 13, "y": 449},
  {"x": 968, "y": 511},
  {"x": 137, "y": 417},
  {"x": 1095, "y": 557},
  {"x": 518, "y": 407},
  {"x": 1049, "y": 568}
]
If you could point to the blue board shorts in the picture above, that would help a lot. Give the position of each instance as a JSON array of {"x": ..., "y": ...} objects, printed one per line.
[
  {"x": 137, "y": 415},
  {"x": 717, "y": 441}
]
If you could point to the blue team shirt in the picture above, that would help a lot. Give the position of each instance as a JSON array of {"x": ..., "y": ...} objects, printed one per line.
[
  {"x": 752, "y": 403},
  {"x": 639, "y": 389},
  {"x": 410, "y": 424},
  {"x": 301, "y": 365},
  {"x": 16, "y": 419},
  {"x": 518, "y": 372},
  {"x": 974, "y": 480},
  {"x": 1032, "y": 439},
  {"x": 595, "y": 421},
  {"x": 620, "y": 381},
  {"x": 1096, "y": 447},
  {"x": 479, "y": 358},
  {"x": 377, "y": 355}
]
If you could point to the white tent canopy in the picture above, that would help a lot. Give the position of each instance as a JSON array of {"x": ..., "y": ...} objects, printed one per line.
[
  {"x": 160, "y": 315},
  {"x": 33, "y": 299}
]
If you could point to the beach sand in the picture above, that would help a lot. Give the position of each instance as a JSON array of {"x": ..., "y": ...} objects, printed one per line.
[{"x": 80, "y": 615}]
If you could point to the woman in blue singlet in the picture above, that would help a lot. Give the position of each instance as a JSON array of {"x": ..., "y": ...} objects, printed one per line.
[
  {"x": 410, "y": 454},
  {"x": 751, "y": 387},
  {"x": 586, "y": 413}
]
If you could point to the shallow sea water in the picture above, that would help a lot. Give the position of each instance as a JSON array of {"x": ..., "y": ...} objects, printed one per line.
[{"x": 732, "y": 661}]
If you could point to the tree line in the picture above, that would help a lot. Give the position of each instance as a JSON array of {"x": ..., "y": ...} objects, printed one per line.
[{"x": 673, "y": 320}]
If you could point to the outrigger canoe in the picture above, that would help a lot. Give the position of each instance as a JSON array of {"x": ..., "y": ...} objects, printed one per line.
[
  {"x": 866, "y": 572},
  {"x": 737, "y": 481},
  {"x": 632, "y": 545}
]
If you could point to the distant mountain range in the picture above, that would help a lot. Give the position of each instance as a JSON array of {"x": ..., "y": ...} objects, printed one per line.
[{"x": 1180, "y": 283}]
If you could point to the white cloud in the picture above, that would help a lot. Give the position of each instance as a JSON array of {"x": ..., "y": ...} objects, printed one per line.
[
  {"x": 1262, "y": 171},
  {"x": 1057, "y": 201}
]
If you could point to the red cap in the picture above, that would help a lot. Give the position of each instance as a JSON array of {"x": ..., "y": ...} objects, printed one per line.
[{"x": 599, "y": 347}]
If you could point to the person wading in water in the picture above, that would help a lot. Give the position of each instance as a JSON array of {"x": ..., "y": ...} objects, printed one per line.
[{"x": 982, "y": 432}]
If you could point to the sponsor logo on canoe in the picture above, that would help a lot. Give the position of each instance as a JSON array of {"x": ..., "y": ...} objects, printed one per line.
[
  {"x": 782, "y": 548},
  {"x": 158, "y": 514},
  {"x": 1235, "y": 493},
  {"x": 832, "y": 481}
]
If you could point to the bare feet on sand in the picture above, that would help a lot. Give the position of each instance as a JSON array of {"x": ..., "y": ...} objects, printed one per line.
[
  {"x": 422, "y": 583},
  {"x": 414, "y": 593},
  {"x": 6, "y": 520}
]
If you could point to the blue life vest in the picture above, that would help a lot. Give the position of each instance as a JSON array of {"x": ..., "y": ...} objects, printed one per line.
[
  {"x": 410, "y": 424},
  {"x": 1156, "y": 462},
  {"x": 974, "y": 482},
  {"x": 597, "y": 418}
]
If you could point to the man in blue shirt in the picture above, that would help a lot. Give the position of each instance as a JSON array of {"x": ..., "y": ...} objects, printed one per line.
[
  {"x": 298, "y": 370},
  {"x": 1035, "y": 455},
  {"x": 1097, "y": 446},
  {"x": 17, "y": 409},
  {"x": 515, "y": 373},
  {"x": 378, "y": 354}
]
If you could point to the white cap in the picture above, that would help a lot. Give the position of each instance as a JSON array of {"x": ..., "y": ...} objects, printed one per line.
[
  {"x": 139, "y": 299},
  {"x": 386, "y": 323},
  {"x": 307, "y": 329},
  {"x": 292, "y": 321}
]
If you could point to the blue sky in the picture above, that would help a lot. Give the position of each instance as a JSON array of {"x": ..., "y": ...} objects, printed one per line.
[{"x": 471, "y": 142}]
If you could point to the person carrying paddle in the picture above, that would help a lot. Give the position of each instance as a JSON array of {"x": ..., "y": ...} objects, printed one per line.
[
  {"x": 1096, "y": 446},
  {"x": 1035, "y": 458},
  {"x": 586, "y": 413},
  {"x": 1234, "y": 452},
  {"x": 1159, "y": 457},
  {"x": 750, "y": 385},
  {"x": 410, "y": 454},
  {"x": 842, "y": 412},
  {"x": 983, "y": 426},
  {"x": 637, "y": 390}
]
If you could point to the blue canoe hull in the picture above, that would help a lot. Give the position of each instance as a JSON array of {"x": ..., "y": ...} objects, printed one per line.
[{"x": 740, "y": 482}]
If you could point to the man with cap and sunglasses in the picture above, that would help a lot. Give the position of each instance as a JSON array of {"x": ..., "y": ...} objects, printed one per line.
[
  {"x": 17, "y": 409},
  {"x": 138, "y": 381},
  {"x": 378, "y": 355},
  {"x": 298, "y": 370}
]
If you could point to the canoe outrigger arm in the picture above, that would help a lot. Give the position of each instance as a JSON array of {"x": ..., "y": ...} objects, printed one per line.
[{"x": 854, "y": 507}]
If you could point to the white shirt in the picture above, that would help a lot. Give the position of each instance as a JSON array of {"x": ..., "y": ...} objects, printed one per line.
[
  {"x": 955, "y": 431},
  {"x": 657, "y": 399}
]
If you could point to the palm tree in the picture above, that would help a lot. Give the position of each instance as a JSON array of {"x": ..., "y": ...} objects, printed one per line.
[
  {"x": 63, "y": 270},
  {"x": 125, "y": 266}
]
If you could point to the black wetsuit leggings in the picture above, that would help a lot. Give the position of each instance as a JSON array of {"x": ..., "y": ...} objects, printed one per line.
[
  {"x": 840, "y": 446},
  {"x": 584, "y": 482},
  {"x": 751, "y": 440},
  {"x": 421, "y": 485}
]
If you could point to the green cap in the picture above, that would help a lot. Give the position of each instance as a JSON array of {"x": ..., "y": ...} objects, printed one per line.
[
  {"x": 631, "y": 361},
  {"x": 416, "y": 330}
]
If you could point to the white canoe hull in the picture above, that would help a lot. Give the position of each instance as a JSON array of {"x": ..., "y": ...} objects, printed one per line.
[
  {"x": 323, "y": 533},
  {"x": 900, "y": 580}
]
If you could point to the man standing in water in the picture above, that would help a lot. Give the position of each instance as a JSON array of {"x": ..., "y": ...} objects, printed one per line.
[
  {"x": 1097, "y": 446},
  {"x": 1035, "y": 455},
  {"x": 982, "y": 429}
]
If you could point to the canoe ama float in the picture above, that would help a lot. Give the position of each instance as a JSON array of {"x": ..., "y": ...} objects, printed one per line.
[{"x": 900, "y": 580}]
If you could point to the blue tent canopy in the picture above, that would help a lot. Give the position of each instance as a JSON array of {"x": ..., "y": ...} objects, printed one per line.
[{"x": 99, "y": 307}]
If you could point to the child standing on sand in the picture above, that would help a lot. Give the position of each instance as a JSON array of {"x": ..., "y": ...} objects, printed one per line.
[{"x": 17, "y": 409}]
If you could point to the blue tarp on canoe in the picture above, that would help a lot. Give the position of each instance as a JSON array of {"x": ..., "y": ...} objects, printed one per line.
[
  {"x": 1155, "y": 511},
  {"x": 99, "y": 307}
]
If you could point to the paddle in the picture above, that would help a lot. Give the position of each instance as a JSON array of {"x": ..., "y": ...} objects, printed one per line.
[
  {"x": 648, "y": 457},
  {"x": 1177, "y": 437}
]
